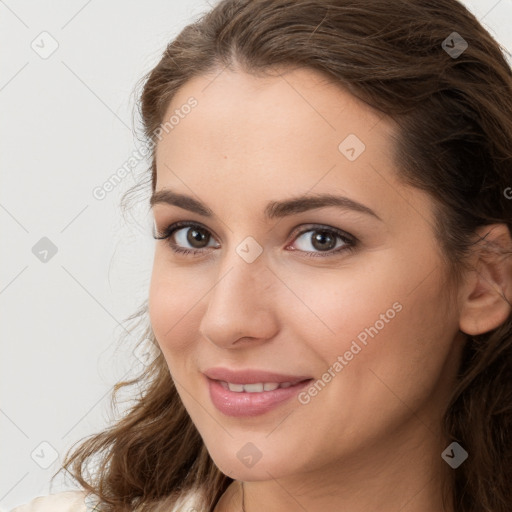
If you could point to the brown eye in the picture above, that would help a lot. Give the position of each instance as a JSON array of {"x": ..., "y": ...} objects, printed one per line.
[
  {"x": 323, "y": 240},
  {"x": 186, "y": 237},
  {"x": 195, "y": 237},
  {"x": 318, "y": 240}
]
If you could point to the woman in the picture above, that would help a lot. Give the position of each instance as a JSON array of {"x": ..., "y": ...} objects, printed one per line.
[{"x": 330, "y": 300}]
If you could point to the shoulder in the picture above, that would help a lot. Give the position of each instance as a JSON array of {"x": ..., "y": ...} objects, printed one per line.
[
  {"x": 189, "y": 501},
  {"x": 68, "y": 501},
  {"x": 80, "y": 501}
]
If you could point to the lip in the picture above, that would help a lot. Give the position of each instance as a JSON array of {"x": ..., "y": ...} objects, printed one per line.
[{"x": 235, "y": 404}]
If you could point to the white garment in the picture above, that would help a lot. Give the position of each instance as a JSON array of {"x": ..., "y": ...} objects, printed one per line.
[
  {"x": 68, "y": 501},
  {"x": 79, "y": 501}
]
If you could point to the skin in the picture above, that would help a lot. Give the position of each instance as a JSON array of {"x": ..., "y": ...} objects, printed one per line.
[{"x": 369, "y": 440}]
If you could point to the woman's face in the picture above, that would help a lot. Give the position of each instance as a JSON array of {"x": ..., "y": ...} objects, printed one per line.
[{"x": 349, "y": 292}]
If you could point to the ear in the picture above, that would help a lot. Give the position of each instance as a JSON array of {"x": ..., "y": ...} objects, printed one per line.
[{"x": 486, "y": 294}]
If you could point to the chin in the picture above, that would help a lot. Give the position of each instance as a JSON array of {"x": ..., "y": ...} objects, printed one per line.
[{"x": 233, "y": 465}]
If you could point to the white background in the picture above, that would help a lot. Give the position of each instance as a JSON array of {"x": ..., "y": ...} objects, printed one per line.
[{"x": 68, "y": 122}]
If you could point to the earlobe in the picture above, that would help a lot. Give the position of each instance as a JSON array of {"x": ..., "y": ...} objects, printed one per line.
[{"x": 487, "y": 292}]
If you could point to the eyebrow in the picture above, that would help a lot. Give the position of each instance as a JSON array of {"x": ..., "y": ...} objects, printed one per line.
[{"x": 274, "y": 209}]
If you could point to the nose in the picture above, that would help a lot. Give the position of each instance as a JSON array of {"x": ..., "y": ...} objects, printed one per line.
[{"x": 241, "y": 305}]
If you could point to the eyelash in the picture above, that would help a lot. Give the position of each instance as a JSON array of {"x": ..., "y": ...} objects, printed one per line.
[{"x": 349, "y": 240}]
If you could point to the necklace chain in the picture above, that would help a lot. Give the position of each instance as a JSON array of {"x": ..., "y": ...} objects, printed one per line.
[{"x": 243, "y": 498}]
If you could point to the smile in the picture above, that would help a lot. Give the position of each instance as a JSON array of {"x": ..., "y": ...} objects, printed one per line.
[
  {"x": 255, "y": 388},
  {"x": 259, "y": 392}
]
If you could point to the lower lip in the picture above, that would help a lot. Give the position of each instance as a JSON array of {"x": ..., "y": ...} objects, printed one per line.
[{"x": 232, "y": 403}]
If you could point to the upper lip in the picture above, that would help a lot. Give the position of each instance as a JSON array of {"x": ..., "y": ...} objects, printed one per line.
[{"x": 251, "y": 376}]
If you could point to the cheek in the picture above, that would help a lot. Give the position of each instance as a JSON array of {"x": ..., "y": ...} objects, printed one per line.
[
  {"x": 173, "y": 299},
  {"x": 386, "y": 360},
  {"x": 346, "y": 303},
  {"x": 392, "y": 330},
  {"x": 405, "y": 346}
]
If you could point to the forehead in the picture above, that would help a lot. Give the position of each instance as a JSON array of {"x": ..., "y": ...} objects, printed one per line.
[
  {"x": 250, "y": 138},
  {"x": 298, "y": 115},
  {"x": 294, "y": 104}
]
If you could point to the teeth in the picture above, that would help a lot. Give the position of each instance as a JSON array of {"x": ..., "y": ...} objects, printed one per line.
[
  {"x": 235, "y": 387},
  {"x": 255, "y": 388}
]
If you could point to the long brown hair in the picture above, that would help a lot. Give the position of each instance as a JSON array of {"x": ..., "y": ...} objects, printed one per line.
[{"x": 454, "y": 114}]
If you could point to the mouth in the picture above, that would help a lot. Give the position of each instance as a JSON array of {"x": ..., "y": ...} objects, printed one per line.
[
  {"x": 251, "y": 392},
  {"x": 257, "y": 387}
]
